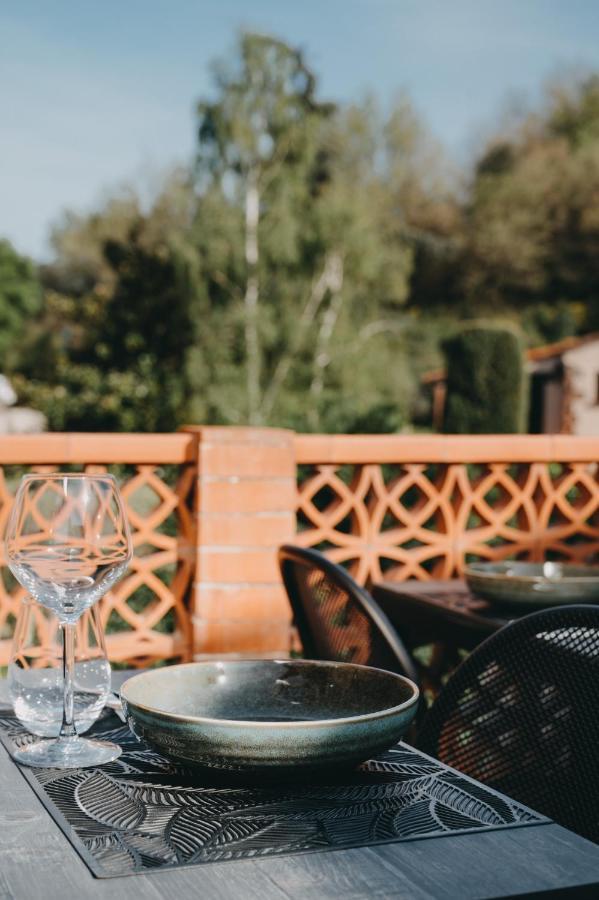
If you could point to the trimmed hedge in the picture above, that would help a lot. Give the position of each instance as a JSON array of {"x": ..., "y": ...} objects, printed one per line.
[{"x": 486, "y": 382}]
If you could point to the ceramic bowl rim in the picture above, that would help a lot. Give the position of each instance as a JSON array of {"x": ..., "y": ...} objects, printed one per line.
[
  {"x": 471, "y": 571},
  {"x": 245, "y": 723}
]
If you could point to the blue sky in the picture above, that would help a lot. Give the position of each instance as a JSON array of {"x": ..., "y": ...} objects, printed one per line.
[{"x": 93, "y": 94}]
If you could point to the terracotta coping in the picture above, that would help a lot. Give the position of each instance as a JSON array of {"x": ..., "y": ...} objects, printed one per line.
[
  {"x": 71, "y": 448},
  {"x": 443, "y": 448}
]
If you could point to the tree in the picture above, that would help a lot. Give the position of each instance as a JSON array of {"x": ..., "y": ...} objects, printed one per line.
[
  {"x": 257, "y": 144},
  {"x": 532, "y": 228},
  {"x": 109, "y": 351},
  {"x": 20, "y": 300},
  {"x": 302, "y": 251}
]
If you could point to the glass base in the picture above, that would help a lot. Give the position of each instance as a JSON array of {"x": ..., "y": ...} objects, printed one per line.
[{"x": 67, "y": 753}]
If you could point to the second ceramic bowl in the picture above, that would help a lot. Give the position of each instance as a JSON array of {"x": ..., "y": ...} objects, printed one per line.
[{"x": 534, "y": 585}]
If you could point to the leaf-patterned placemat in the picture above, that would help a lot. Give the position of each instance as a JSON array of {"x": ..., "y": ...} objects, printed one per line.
[{"x": 145, "y": 812}]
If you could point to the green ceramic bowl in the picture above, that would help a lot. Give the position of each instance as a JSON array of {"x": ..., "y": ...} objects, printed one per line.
[
  {"x": 534, "y": 585},
  {"x": 269, "y": 715}
]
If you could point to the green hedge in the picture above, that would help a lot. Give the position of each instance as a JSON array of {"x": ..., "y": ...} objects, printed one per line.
[{"x": 487, "y": 386}]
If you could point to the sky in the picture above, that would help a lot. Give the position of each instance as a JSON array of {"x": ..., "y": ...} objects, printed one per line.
[{"x": 97, "y": 94}]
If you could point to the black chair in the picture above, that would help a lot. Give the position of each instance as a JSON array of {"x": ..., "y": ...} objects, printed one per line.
[
  {"x": 521, "y": 714},
  {"x": 336, "y": 618}
]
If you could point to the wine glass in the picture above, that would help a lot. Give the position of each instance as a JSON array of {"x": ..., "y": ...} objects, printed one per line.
[{"x": 67, "y": 543}]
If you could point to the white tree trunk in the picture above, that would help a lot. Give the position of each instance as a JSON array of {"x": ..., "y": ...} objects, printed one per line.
[{"x": 250, "y": 299}]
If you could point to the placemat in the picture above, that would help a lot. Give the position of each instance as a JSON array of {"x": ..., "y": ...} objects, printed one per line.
[{"x": 145, "y": 812}]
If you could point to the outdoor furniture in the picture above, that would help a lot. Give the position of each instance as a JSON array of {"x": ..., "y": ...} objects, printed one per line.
[
  {"x": 441, "y": 615},
  {"x": 428, "y": 611},
  {"x": 508, "y": 861},
  {"x": 336, "y": 618},
  {"x": 520, "y": 714}
]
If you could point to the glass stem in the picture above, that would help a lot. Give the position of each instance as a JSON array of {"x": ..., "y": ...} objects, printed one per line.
[{"x": 67, "y": 729}]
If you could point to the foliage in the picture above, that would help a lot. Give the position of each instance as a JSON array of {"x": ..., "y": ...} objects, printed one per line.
[
  {"x": 20, "y": 300},
  {"x": 265, "y": 286},
  {"x": 84, "y": 397},
  {"x": 109, "y": 350},
  {"x": 306, "y": 269},
  {"x": 303, "y": 249},
  {"x": 545, "y": 323},
  {"x": 531, "y": 233},
  {"x": 485, "y": 382}
]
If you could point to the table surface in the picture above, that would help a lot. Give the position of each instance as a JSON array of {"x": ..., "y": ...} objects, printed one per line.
[
  {"x": 439, "y": 607},
  {"x": 37, "y": 861}
]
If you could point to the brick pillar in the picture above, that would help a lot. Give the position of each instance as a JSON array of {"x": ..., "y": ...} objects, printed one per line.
[{"x": 245, "y": 510}]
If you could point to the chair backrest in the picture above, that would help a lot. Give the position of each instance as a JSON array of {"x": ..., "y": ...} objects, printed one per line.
[
  {"x": 336, "y": 618},
  {"x": 521, "y": 714}
]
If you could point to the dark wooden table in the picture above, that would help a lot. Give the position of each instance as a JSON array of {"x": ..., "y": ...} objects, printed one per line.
[
  {"x": 441, "y": 614},
  {"x": 429, "y": 611},
  {"x": 38, "y": 863}
]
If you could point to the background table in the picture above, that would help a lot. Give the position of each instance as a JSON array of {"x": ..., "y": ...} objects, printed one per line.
[
  {"x": 426, "y": 611},
  {"x": 442, "y": 614},
  {"x": 38, "y": 863}
]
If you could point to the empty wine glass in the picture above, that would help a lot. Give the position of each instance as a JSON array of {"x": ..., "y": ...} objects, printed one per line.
[{"x": 67, "y": 543}]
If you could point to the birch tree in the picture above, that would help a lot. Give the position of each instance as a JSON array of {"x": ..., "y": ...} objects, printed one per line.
[
  {"x": 295, "y": 188},
  {"x": 256, "y": 139}
]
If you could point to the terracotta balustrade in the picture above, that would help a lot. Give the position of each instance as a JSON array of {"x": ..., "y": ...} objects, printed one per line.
[
  {"x": 421, "y": 506},
  {"x": 147, "y": 614},
  {"x": 210, "y": 506}
]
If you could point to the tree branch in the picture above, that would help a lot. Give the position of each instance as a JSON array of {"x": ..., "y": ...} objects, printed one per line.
[
  {"x": 322, "y": 356},
  {"x": 378, "y": 326},
  {"x": 330, "y": 279}
]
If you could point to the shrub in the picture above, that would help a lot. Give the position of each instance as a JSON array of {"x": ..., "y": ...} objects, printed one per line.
[{"x": 486, "y": 382}]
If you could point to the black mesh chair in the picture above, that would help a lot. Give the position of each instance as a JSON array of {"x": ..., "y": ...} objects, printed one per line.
[
  {"x": 521, "y": 714},
  {"x": 336, "y": 618}
]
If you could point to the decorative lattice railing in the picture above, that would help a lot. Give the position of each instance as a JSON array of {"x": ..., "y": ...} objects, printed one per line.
[
  {"x": 421, "y": 507},
  {"x": 146, "y": 616}
]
